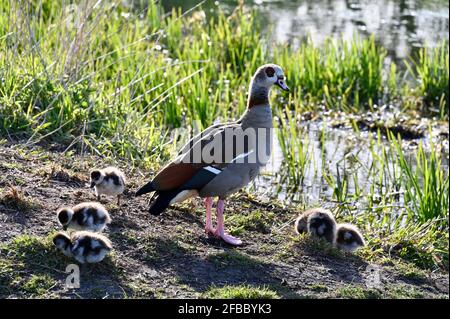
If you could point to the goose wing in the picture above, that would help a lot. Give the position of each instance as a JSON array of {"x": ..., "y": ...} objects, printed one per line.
[{"x": 180, "y": 172}]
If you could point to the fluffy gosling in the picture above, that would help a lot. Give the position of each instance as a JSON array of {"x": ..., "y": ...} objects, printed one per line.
[
  {"x": 109, "y": 181},
  {"x": 84, "y": 216},
  {"x": 319, "y": 223},
  {"x": 348, "y": 237},
  {"x": 301, "y": 223},
  {"x": 63, "y": 243},
  {"x": 84, "y": 246}
]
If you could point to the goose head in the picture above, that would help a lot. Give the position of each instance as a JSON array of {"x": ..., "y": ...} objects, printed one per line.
[
  {"x": 97, "y": 177},
  {"x": 268, "y": 75},
  {"x": 65, "y": 215}
]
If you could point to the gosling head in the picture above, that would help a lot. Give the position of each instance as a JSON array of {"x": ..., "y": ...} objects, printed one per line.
[
  {"x": 349, "y": 237},
  {"x": 62, "y": 241},
  {"x": 268, "y": 75},
  {"x": 65, "y": 215},
  {"x": 97, "y": 177}
]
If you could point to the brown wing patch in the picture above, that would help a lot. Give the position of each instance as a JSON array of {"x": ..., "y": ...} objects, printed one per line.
[{"x": 175, "y": 175}]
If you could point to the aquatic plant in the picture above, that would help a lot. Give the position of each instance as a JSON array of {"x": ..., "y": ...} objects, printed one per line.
[
  {"x": 425, "y": 183},
  {"x": 431, "y": 72}
]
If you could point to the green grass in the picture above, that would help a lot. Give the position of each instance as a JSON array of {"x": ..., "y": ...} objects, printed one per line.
[
  {"x": 403, "y": 292},
  {"x": 123, "y": 81},
  {"x": 240, "y": 292},
  {"x": 294, "y": 145},
  {"x": 39, "y": 285},
  {"x": 426, "y": 184},
  {"x": 345, "y": 75},
  {"x": 389, "y": 291},
  {"x": 431, "y": 71},
  {"x": 254, "y": 221},
  {"x": 29, "y": 265},
  {"x": 410, "y": 272},
  {"x": 355, "y": 292}
]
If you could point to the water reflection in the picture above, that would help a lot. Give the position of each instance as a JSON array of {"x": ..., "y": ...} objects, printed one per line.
[
  {"x": 343, "y": 153},
  {"x": 400, "y": 26}
]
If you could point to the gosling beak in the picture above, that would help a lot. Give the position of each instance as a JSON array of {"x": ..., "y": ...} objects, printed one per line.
[
  {"x": 92, "y": 185},
  {"x": 280, "y": 82}
]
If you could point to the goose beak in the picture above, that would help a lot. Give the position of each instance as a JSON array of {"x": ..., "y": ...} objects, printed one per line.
[
  {"x": 92, "y": 185},
  {"x": 280, "y": 82}
]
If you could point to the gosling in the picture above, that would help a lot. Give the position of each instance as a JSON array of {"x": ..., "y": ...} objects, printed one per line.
[
  {"x": 109, "y": 181},
  {"x": 318, "y": 222},
  {"x": 348, "y": 237},
  {"x": 301, "y": 223},
  {"x": 84, "y": 216},
  {"x": 62, "y": 241},
  {"x": 84, "y": 246}
]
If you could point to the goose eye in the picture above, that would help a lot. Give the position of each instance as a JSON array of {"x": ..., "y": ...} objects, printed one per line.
[{"x": 270, "y": 71}]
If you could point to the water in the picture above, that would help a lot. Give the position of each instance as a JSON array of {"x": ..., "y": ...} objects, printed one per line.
[
  {"x": 400, "y": 26},
  {"x": 347, "y": 154}
]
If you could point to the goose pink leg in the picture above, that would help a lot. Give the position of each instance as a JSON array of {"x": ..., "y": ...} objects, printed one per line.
[
  {"x": 209, "y": 229},
  {"x": 220, "y": 232}
]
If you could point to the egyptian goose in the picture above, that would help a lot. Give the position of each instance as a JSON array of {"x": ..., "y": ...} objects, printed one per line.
[
  {"x": 109, "y": 181},
  {"x": 84, "y": 246},
  {"x": 84, "y": 216},
  {"x": 348, "y": 237},
  {"x": 223, "y": 158},
  {"x": 318, "y": 222}
]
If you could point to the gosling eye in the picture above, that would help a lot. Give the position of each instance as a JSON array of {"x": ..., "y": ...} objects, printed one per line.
[{"x": 270, "y": 71}]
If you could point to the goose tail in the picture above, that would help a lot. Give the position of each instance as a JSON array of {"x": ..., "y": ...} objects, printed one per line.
[
  {"x": 147, "y": 188},
  {"x": 161, "y": 202}
]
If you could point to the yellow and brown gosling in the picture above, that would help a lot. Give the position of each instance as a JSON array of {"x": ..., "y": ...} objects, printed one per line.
[
  {"x": 84, "y": 246},
  {"x": 109, "y": 181},
  {"x": 321, "y": 223},
  {"x": 84, "y": 216},
  {"x": 348, "y": 237}
]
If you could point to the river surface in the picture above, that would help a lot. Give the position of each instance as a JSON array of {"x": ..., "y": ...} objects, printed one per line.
[{"x": 400, "y": 26}]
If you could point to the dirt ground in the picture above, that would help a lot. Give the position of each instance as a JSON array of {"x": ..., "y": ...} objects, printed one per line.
[{"x": 170, "y": 256}]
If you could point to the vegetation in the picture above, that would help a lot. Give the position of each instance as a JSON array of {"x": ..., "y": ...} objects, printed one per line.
[
  {"x": 113, "y": 78},
  {"x": 431, "y": 73},
  {"x": 124, "y": 81},
  {"x": 241, "y": 292}
]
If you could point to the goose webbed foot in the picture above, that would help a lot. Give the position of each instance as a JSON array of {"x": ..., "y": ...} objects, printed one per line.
[
  {"x": 229, "y": 239},
  {"x": 220, "y": 231}
]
